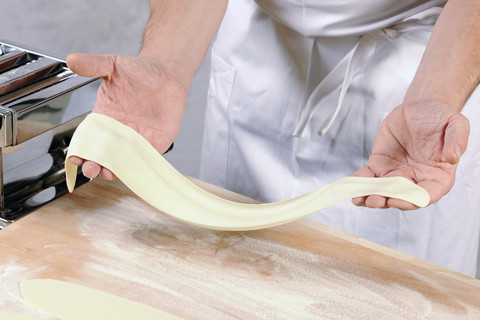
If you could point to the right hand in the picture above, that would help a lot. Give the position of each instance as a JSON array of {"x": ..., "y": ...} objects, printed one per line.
[
  {"x": 137, "y": 92},
  {"x": 421, "y": 141}
]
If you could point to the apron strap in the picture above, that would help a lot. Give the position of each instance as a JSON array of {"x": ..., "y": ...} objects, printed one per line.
[{"x": 342, "y": 74}]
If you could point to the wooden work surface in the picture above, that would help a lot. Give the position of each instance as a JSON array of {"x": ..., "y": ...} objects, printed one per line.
[{"x": 102, "y": 236}]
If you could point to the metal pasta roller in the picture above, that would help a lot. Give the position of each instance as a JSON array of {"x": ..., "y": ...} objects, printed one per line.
[{"x": 41, "y": 104}]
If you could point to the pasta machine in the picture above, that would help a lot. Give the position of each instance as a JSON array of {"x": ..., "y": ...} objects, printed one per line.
[{"x": 41, "y": 104}]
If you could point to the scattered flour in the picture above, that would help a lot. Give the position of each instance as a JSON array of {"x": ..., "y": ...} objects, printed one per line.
[
  {"x": 246, "y": 277},
  {"x": 10, "y": 294},
  {"x": 205, "y": 274}
]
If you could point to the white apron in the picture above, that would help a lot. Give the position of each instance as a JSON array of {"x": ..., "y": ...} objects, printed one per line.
[{"x": 272, "y": 89}]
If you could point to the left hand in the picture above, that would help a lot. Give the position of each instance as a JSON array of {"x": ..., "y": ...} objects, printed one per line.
[{"x": 422, "y": 142}]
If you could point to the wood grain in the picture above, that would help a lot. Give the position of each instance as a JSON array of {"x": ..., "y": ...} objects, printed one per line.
[{"x": 102, "y": 236}]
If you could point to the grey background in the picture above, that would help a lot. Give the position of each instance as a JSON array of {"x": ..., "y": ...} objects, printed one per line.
[{"x": 59, "y": 27}]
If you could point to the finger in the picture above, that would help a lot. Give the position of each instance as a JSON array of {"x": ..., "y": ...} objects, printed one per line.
[
  {"x": 76, "y": 160},
  {"x": 375, "y": 201},
  {"x": 91, "y": 169},
  {"x": 456, "y": 138},
  {"x": 359, "y": 201},
  {"x": 363, "y": 172},
  {"x": 107, "y": 174},
  {"x": 88, "y": 65},
  {"x": 400, "y": 204}
]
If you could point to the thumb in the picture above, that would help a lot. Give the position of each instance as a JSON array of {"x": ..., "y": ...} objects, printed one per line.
[
  {"x": 456, "y": 138},
  {"x": 88, "y": 65}
]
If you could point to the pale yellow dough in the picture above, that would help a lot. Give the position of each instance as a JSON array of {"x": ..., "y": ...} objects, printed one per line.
[
  {"x": 69, "y": 301},
  {"x": 14, "y": 316},
  {"x": 127, "y": 154}
]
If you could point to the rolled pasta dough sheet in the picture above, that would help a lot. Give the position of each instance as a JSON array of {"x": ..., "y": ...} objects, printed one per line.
[
  {"x": 137, "y": 164},
  {"x": 14, "y": 316},
  {"x": 70, "y": 301}
]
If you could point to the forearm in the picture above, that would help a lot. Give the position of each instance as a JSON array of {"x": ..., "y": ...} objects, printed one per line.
[
  {"x": 450, "y": 68},
  {"x": 179, "y": 33}
]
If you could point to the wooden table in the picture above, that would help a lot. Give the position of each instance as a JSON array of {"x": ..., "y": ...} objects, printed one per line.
[{"x": 102, "y": 236}]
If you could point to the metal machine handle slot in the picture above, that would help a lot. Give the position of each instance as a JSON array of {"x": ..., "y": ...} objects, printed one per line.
[
  {"x": 32, "y": 88},
  {"x": 28, "y": 73},
  {"x": 13, "y": 59}
]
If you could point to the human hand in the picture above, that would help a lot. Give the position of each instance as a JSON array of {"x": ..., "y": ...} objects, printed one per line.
[
  {"x": 420, "y": 141},
  {"x": 136, "y": 91}
]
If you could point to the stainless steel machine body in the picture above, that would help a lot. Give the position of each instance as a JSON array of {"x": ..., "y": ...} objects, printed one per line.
[{"x": 41, "y": 104}]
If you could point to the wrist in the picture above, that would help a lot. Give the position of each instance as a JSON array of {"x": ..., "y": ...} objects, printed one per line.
[
  {"x": 174, "y": 65},
  {"x": 450, "y": 90}
]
